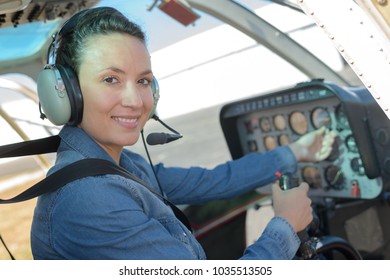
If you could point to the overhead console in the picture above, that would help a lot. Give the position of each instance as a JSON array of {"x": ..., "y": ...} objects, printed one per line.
[
  {"x": 27, "y": 11},
  {"x": 359, "y": 165}
]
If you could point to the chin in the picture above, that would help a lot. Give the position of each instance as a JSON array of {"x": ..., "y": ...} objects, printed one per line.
[{"x": 130, "y": 141}]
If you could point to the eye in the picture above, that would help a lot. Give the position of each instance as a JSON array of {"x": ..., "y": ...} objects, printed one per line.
[
  {"x": 110, "y": 80},
  {"x": 145, "y": 82}
]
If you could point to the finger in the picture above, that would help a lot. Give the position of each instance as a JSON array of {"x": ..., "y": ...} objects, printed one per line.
[
  {"x": 304, "y": 187},
  {"x": 322, "y": 130},
  {"x": 327, "y": 145},
  {"x": 324, "y": 153},
  {"x": 331, "y": 135},
  {"x": 276, "y": 188}
]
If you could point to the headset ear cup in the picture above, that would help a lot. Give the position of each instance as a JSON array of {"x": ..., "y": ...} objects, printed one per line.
[
  {"x": 156, "y": 96},
  {"x": 60, "y": 95},
  {"x": 53, "y": 96}
]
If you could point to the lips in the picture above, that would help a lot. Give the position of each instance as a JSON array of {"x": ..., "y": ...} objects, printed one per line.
[{"x": 129, "y": 122}]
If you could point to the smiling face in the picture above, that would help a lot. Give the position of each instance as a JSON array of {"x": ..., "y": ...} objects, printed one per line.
[{"x": 115, "y": 77}]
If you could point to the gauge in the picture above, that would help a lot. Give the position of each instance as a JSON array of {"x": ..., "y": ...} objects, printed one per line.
[
  {"x": 335, "y": 177},
  {"x": 279, "y": 122},
  {"x": 249, "y": 127},
  {"x": 320, "y": 117},
  {"x": 341, "y": 117},
  {"x": 311, "y": 175},
  {"x": 283, "y": 140},
  {"x": 351, "y": 144},
  {"x": 270, "y": 143},
  {"x": 298, "y": 123},
  {"x": 357, "y": 166},
  {"x": 252, "y": 146},
  {"x": 265, "y": 124}
]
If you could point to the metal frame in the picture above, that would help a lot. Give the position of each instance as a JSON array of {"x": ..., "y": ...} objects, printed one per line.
[{"x": 272, "y": 38}]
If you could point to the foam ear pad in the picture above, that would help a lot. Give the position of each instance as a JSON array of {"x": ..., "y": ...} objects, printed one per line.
[{"x": 60, "y": 95}]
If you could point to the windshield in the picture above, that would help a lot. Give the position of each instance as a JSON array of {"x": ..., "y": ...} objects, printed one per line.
[{"x": 25, "y": 40}]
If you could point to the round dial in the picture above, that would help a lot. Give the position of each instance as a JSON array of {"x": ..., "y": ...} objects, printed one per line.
[
  {"x": 252, "y": 146},
  {"x": 270, "y": 143},
  {"x": 357, "y": 166},
  {"x": 279, "y": 122},
  {"x": 249, "y": 127},
  {"x": 283, "y": 140},
  {"x": 351, "y": 144},
  {"x": 335, "y": 177},
  {"x": 311, "y": 175},
  {"x": 320, "y": 117},
  {"x": 298, "y": 122},
  {"x": 265, "y": 124}
]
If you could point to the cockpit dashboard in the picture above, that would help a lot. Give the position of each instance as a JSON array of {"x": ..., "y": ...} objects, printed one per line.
[{"x": 359, "y": 164}]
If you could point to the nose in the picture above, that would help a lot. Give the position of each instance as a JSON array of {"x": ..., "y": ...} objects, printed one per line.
[{"x": 131, "y": 96}]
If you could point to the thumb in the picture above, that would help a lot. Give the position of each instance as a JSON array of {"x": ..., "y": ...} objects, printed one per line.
[
  {"x": 304, "y": 187},
  {"x": 276, "y": 188}
]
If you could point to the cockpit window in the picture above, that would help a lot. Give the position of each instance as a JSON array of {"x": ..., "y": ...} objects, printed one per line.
[{"x": 24, "y": 40}]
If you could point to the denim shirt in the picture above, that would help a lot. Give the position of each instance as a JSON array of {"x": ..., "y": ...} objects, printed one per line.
[{"x": 111, "y": 217}]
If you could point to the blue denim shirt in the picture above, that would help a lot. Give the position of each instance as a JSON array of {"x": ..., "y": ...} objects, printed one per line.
[{"x": 111, "y": 217}]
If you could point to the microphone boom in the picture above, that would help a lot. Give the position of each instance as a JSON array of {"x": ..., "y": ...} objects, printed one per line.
[{"x": 160, "y": 138}]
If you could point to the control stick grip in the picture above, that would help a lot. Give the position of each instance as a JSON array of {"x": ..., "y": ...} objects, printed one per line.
[
  {"x": 286, "y": 181},
  {"x": 306, "y": 249}
]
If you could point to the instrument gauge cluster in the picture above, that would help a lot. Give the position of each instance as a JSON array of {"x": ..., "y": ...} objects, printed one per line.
[{"x": 280, "y": 118}]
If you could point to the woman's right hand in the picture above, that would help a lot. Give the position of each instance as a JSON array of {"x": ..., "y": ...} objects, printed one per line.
[{"x": 293, "y": 205}]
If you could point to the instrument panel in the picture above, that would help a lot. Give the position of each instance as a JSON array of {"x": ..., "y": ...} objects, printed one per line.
[{"x": 269, "y": 121}]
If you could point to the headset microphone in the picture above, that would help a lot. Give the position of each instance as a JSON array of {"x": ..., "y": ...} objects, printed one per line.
[{"x": 160, "y": 138}]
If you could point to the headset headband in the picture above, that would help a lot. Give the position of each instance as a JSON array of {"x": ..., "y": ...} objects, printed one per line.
[{"x": 65, "y": 29}]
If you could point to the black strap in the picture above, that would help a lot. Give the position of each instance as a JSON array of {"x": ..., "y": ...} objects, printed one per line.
[
  {"x": 32, "y": 147},
  {"x": 84, "y": 168}
]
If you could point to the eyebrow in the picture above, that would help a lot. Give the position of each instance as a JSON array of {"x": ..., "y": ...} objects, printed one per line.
[
  {"x": 120, "y": 71},
  {"x": 115, "y": 69}
]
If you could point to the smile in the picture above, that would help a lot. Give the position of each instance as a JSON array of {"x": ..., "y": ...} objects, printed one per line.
[{"x": 126, "y": 122}]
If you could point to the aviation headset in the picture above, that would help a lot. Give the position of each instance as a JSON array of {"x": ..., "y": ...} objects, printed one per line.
[{"x": 59, "y": 92}]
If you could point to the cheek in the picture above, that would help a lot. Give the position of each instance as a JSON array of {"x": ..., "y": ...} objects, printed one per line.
[
  {"x": 148, "y": 101},
  {"x": 91, "y": 101},
  {"x": 96, "y": 104}
]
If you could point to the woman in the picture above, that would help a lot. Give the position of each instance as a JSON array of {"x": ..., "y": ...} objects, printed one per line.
[{"x": 110, "y": 217}]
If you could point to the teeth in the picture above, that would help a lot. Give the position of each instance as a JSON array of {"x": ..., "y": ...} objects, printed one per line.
[{"x": 125, "y": 120}]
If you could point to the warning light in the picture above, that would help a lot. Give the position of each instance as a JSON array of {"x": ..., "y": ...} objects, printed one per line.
[{"x": 355, "y": 189}]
